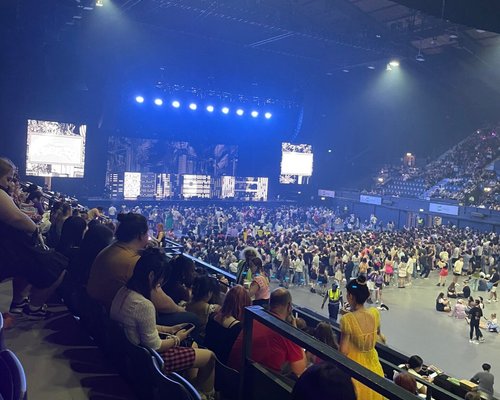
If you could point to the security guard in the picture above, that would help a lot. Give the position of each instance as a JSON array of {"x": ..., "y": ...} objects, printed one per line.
[{"x": 334, "y": 296}]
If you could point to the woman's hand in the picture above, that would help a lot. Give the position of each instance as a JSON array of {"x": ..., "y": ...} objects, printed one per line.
[
  {"x": 175, "y": 328},
  {"x": 184, "y": 333}
]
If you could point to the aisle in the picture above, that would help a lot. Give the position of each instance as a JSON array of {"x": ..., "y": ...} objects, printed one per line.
[{"x": 60, "y": 361}]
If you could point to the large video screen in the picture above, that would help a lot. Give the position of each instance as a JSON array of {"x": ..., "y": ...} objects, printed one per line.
[
  {"x": 244, "y": 188},
  {"x": 55, "y": 149},
  {"x": 170, "y": 157},
  {"x": 196, "y": 186},
  {"x": 296, "y": 163}
]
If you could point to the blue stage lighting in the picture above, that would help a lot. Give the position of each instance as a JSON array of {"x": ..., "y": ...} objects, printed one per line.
[
  {"x": 139, "y": 99},
  {"x": 193, "y": 106},
  {"x": 176, "y": 104},
  {"x": 210, "y": 108},
  {"x": 225, "y": 110},
  {"x": 158, "y": 102},
  {"x": 255, "y": 114},
  {"x": 240, "y": 112},
  {"x": 268, "y": 115}
]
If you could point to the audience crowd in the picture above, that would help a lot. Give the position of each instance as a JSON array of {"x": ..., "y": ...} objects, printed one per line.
[
  {"x": 173, "y": 307},
  {"x": 458, "y": 174}
]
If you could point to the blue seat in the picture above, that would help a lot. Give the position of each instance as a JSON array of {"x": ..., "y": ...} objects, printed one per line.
[
  {"x": 12, "y": 377},
  {"x": 2, "y": 341}
]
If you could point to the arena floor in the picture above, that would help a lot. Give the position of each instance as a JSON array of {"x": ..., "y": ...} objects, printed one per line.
[
  {"x": 62, "y": 364},
  {"x": 412, "y": 326}
]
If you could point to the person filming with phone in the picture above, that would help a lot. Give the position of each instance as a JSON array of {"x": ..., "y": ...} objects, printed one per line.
[{"x": 132, "y": 308}]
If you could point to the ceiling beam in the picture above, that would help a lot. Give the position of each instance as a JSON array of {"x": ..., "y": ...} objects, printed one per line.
[{"x": 484, "y": 14}]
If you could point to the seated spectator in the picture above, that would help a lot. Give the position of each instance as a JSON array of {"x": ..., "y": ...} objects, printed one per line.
[
  {"x": 37, "y": 274},
  {"x": 324, "y": 333},
  {"x": 324, "y": 381},
  {"x": 94, "y": 240},
  {"x": 407, "y": 382},
  {"x": 179, "y": 284},
  {"x": 114, "y": 266},
  {"x": 200, "y": 304},
  {"x": 442, "y": 303},
  {"x": 452, "y": 291},
  {"x": 492, "y": 324},
  {"x": 71, "y": 236},
  {"x": 482, "y": 285},
  {"x": 224, "y": 326},
  {"x": 259, "y": 288},
  {"x": 133, "y": 309},
  {"x": 459, "y": 310},
  {"x": 414, "y": 366},
  {"x": 269, "y": 348}
]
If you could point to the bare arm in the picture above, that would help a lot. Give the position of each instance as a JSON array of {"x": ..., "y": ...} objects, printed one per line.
[
  {"x": 164, "y": 303},
  {"x": 13, "y": 216},
  {"x": 298, "y": 367},
  {"x": 254, "y": 288},
  {"x": 344, "y": 343}
]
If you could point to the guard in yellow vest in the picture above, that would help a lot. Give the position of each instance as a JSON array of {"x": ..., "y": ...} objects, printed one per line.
[{"x": 334, "y": 296}]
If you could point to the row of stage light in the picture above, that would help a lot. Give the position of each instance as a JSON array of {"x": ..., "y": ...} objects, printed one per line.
[{"x": 209, "y": 107}]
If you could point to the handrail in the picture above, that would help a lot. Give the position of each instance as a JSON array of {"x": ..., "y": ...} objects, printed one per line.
[
  {"x": 177, "y": 249},
  {"x": 379, "y": 384},
  {"x": 385, "y": 349}
]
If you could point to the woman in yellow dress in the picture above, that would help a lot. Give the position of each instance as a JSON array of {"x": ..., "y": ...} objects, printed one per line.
[{"x": 359, "y": 331}]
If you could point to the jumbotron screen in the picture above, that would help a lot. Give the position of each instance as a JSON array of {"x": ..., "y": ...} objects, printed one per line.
[
  {"x": 296, "y": 163},
  {"x": 55, "y": 149}
]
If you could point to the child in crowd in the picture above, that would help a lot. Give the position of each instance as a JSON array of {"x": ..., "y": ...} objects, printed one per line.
[{"x": 492, "y": 324}]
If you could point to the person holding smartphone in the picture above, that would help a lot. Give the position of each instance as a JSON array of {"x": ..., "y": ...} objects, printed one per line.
[{"x": 133, "y": 309}]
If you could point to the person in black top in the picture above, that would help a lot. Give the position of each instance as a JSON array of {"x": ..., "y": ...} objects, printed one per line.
[{"x": 475, "y": 315}]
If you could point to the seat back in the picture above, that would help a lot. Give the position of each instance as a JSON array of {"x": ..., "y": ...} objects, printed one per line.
[
  {"x": 184, "y": 390},
  {"x": 12, "y": 377},
  {"x": 227, "y": 381},
  {"x": 134, "y": 362},
  {"x": 191, "y": 392}
]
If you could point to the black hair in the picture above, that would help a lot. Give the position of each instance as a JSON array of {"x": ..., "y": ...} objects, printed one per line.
[
  {"x": 415, "y": 362},
  {"x": 202, "y": 286},
  {"x": 71, "y": 234},
  {"x": 358, "y": 289},
  {"x": 486, "y": 367},
  {"x": 324, "y": 381},
  {"x": 152, "y": 260},
  {"x": 131, "y": 227}
]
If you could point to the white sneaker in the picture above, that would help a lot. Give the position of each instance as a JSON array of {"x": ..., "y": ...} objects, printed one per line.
[
  {"x": 471, "y": 341},
  {"x": 489, "y": 301},
  {"x": 475, "y": 342}
]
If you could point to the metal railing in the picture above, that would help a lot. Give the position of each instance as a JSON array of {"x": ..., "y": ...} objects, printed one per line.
[{"x": 379, "y": 384}]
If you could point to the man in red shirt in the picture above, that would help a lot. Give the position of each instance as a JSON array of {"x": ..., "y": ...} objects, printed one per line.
[{"x": 269, "y": 348}]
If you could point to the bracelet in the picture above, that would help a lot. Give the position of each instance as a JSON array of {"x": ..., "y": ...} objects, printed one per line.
[{"x": 177, "y": 341}]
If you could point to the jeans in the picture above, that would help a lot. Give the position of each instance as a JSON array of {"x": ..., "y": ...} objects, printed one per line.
[
  {"x": 355, "y": 270},
  {"x": 474, "y": 326},
  {"x": 298, "y": 277}
]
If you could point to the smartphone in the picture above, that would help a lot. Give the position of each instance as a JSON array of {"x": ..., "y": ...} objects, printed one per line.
[
  {"x": 186, "y": 327},
  {"x": 432, "y": 376}
]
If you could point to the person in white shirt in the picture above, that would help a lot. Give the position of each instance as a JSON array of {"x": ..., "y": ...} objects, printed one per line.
[{"x": 133, "y": 310}]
